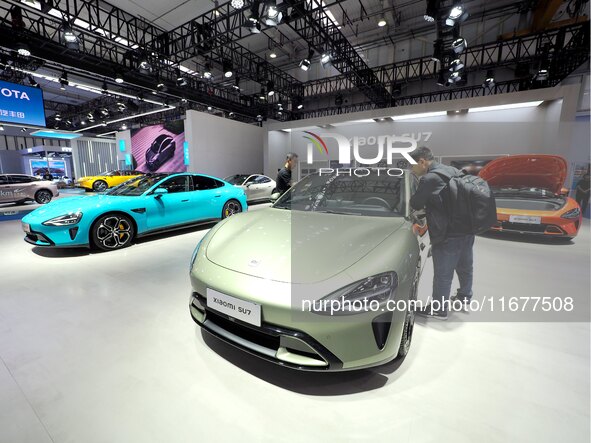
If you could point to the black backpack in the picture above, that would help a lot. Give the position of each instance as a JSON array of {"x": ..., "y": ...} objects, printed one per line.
[{"x": 471, "y": 205}]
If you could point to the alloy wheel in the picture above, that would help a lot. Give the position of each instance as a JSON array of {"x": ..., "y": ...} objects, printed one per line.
[{"x": 113, "y": 232}]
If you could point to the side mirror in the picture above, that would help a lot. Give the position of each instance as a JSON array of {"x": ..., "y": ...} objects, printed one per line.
[
  {"x": 248, "y": 185},
  {"x": 159, "y": 192},
  {"x": 564, "y": 192},
  {"x": 275, "y": 196}
]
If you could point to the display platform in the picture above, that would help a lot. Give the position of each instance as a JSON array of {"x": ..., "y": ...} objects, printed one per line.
[{"x": 10, "y": 211}]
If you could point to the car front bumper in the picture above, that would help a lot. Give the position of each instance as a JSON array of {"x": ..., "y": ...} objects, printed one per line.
[
  {"x": 54, "y": 236},
  {"x": 548, "y": 226},
  {"x": 299, "y": 340}
]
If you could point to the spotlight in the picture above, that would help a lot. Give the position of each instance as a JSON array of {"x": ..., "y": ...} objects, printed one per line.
[
  {"x": 455, "y": 76},
  {"x": 227, "y": 68},
  {"x": 252, "y": 18},
  {"x": 325, "y": 59},
  {"x": 459, "y": 45},
  {"x": 237, "y": 4},
  {"x": 57, "y": 117},
  {"x": 270, "y": 88},
  {"x": 180, "y": 80},
  {"x": 83, "y": 122},
  {"x": 1, "y": 127},
  {"x": 231, "y": 115},
  {"x": 236, "y": 84},
  {"x": 209, "y": 108},
  {"x": 305, "y": 63},
  {"x": 382, "y": 22},
  {"x": 207, "y": 72},
  {"x": 456, "y": 65},
  {"x": 300, "y": 106},
  {"x": 121, "y": 106},
  {"x": 542, "y": 74},
  {"x": 489, "y": 81},
  {"x": 104, "y": 111},
  {"x": 23, "y": 129},
  {"x": 119, "y": 78},
  {"x": 123, "y": 127},
  {"x": 271, "y": 15},
  {"x": 32, "y": 81},
  {"x": 272, "y": 54},
  {"x": 69, "y": 36},
  {"x": 263, "y": 94},
  {"x": 259, "y": 119},
  {"x": 431, "y": 12}
]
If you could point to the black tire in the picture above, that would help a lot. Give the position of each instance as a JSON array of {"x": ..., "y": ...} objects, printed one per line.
[
  {"x": 409, "y": 322},
  {"x": 230, "y": 208},
  {"x": 100, "y": 186},
  {"x": 112, "y": 231},
  {"x": 43, "y": 196}
]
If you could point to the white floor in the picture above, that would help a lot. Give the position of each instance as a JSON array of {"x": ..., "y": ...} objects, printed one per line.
[{"x": 101, "y": 348}]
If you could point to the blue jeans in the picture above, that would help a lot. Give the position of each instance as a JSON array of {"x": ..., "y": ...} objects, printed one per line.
[{"x": 453, "y": 254}]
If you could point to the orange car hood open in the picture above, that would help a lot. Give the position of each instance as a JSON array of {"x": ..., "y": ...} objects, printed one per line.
[{"x": 536, "y": 171}]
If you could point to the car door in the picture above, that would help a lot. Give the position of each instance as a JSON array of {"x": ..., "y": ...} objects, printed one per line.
[
  {"x": 173, "y": 207},
  {"x": 249, "y": 187},
  {"x": 5, "y": 192},
  {"x": 264, "y": 187},
  {"x": 20, "y": 186},
  {"x": 207, "y": 199}
]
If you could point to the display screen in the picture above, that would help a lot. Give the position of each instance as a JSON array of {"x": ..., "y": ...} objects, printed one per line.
[
  {"x": 159, "y": 148},
  {"x": 22, "y": 105}
]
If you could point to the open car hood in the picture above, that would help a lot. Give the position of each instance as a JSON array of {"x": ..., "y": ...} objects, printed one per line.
[{"x": 536, "y": 171}]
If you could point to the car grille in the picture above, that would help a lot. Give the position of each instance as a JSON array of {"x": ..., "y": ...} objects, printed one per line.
[{"x": 531, "y": 228}]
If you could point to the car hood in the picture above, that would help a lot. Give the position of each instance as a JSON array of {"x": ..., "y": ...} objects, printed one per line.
[
  {"x": 536, "y": 171},
  {"x": 269, "y": 243},
  {"x": 85, "y": 204}
]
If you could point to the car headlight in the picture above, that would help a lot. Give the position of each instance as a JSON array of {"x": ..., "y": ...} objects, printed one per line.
[
  {"x": 64, "y": 220},
  {"x": 357, "y": 297},
  {"x": 195, "y": 254},
  {"x": 573, "y": 213}
]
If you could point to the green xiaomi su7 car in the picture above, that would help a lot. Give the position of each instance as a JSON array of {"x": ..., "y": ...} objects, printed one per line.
[{"x": 321, "y": 280}]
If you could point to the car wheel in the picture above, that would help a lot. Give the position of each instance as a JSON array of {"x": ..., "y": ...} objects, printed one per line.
[
  {"x": 112, "y": 231},
  {"x": 409, "y": 322},
  {"x": 43, "y": 196},
  {"x": 230, "y": 208},
  {"x": 99, "y": 186}
]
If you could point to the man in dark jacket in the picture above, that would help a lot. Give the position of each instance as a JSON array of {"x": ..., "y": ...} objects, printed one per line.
[
  {"x": 284, "y": 175},
  {"x": 451, "y": 248}
]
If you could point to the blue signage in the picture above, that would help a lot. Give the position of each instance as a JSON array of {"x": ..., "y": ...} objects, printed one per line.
[
  {"x": 22, "y": 105},
  {"x": 122, "y": 145}
]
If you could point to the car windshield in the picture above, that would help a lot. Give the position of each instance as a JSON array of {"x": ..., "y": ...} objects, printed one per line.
[
  {"x": 237, "y": 179},
  {"x": 377, "y": 194},
  {"x": 107, "y": 173},
  {"x": 136, "y": 186}
]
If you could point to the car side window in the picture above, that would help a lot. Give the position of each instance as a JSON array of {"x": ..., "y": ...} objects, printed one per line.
[
  {"x": 19, "y": 179},
  {"x": 201, "y": 183},
  {"x": 176, "y": 184},
  {"x": 262, "y": 179},
  {"x": 252, "y": 179},
  {"x": 3, "y": 180}
]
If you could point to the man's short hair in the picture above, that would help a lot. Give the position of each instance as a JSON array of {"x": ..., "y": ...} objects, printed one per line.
[
  {"x": 422, "y": 153},
  {"x": 291, "y": 156}
]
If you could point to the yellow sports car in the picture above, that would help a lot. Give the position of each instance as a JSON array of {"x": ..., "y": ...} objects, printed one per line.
[{"x": 100, "y": 183}]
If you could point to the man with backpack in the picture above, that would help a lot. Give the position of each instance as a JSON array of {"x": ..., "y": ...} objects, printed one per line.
[{"x": 457, "y": 207}]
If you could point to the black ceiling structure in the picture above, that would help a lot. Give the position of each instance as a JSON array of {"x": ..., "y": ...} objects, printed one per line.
[{"x": 113, "y": 41}]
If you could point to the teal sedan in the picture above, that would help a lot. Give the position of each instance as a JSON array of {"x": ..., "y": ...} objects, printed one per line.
[{"x": 141, "y": 206}]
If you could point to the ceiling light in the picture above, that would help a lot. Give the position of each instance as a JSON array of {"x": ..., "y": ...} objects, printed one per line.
[
  {"x": 270, "y": 88},
  {"x": 119, "y": 78},
  {"x": 57, "y": 117},
  {"x": 272, "y": 54},
  {"x": 23, "y": 50},
  {"x": 305, "y": 63},
  {"x": 300, "y": 106},
  {"x": 325, "y": 59},
  {"x": 271, "y": 15},
  {"x": 456, "y": 65},
  {"x": 455, "y": 76},
  {"x": 456, "y": 11},
  {"x": 227, "y": 68},
  {"x": 145, "y": 66},
  {"x": 382, "y": 22},
  {"x": 23, "y": 129},
  {"x": 124, "y": 127},
  {"x": 64, "y": 81},
  {"x": 237, "y": 4},
  {"x": 207, "y": 72},
  {"x": 459, "y": 45},
  {"x": 231, "y": 115},
  {"x": 489, "y": 81},
  {"x": 263, "y": 94},
  {"x": 236, "y": 84},
  {"x": 83, "y": 122},
  {"x": 422, "y": 115},
  {"x": 508, "y": 106},
  {"x": 259, "y": 118}
]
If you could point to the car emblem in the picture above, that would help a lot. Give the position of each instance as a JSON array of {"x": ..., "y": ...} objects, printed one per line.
[{"x": 254, "y": 263}]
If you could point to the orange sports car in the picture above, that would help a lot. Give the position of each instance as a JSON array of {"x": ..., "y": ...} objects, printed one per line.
[{"x": 530, "y": 197}]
